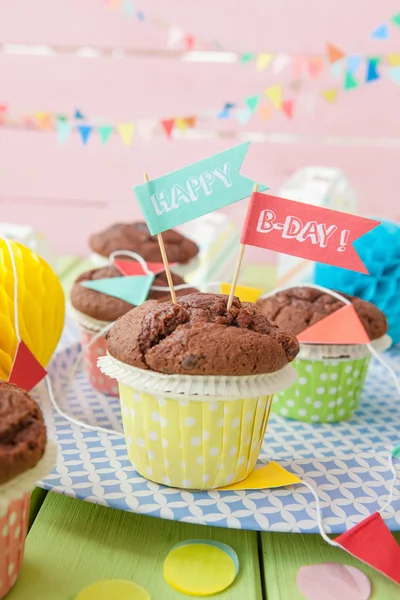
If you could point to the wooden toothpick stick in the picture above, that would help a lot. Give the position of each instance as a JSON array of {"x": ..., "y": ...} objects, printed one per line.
[
  {"x": 237, "y": 268},
  {"x": 165, "y": 260}
]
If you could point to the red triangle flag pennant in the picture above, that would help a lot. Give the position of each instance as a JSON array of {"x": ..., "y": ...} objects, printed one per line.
[
  {"x": 168, "y": 125},
  {"x": 372, "y": 542},
  {"x": 131, "y": 267},
  {"x": 287, "y": 108},
  {"x": 341, "y": 327},
  {"x": 26, "y": 371}
]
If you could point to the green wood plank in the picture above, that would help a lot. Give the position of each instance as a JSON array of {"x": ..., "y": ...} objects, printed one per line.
[
  {"x": 284, "y": 553},
  {"x": 74, "y": 543},
  {"x": 37, "y": 498}
]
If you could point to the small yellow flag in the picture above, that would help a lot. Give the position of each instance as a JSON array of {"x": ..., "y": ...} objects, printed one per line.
[
  {"x": 181, "y": 123},
  {"x": 274, "y": 94},
  {"x": 270, "y": 476},
  {"x": 244, "y": 293},
  {"x": 394, "y": 59},
  {"x": 330, "y": 95},
  {"x": 125, "y": 130},
  {"x": 263, "y": 60}
]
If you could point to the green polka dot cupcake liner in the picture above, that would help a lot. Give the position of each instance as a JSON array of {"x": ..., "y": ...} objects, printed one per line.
[{"x": 329, "y": 384}]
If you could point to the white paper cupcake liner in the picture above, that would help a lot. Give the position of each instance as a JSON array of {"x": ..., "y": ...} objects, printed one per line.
[
  {"x": 24, "y": 483},
  {"x": 88, "y": 323},
  {"x": 342, "y": 352},
  {"x": 198, "y": 387}
]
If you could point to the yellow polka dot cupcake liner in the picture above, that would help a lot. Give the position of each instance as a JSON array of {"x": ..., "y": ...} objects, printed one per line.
[
  {"x": 201, "y": 439},
  {"x": 329, "y": 384}
]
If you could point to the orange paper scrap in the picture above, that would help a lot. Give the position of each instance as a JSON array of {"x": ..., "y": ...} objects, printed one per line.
[{"x": 341, "y": 327}]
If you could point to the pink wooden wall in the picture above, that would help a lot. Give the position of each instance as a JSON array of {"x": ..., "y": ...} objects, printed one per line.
[{"x": 68, "y": 191}]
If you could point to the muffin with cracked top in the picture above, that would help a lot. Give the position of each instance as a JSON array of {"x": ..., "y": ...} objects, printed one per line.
[
  {"x": 331, "y": 376},
  {"x": 196, "y": 384}
]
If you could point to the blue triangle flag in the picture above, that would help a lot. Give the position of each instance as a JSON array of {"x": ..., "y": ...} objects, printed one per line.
[
  {"x": 78, "y": 115},
  {"x": 394, "y": 74},
  {"x": 381, "y": 32},
  {"x": 224, "y": 113},
  {"x": 140, "y": 15},
  {"x": 372, "y": 73},
  {"x": 134, "y": 289},
  {"x": 63, "y": 131},
  {"x": 353, "y": 62},
  {"x": 243, "y": 115},
  {"x": 85, "y": 131}
]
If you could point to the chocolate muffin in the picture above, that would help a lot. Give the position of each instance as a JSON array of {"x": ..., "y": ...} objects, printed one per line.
[
  {"x": 199, "y": 337},
  {"x": 297, "y": 308},
  {"x": 22, "y": 432},
  {"x": 136, "y": 237},
  {"x": 107, "y": 308}
]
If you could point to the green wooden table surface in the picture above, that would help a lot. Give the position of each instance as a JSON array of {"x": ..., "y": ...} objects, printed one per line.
[{"x": 72, "y": 543}]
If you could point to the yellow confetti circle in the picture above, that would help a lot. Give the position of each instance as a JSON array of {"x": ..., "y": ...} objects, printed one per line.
[
  {"x": 200, "y": 569},
  {"x": 113, "y": 589},
  {"x": 41, "y": 305}
]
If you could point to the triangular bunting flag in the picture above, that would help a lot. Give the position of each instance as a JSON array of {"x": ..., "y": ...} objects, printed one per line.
[
  {"x": 316, "y": 66},
  {"x": 225, "y": 112},
  {"x": 140, "y": 15},
  {"x": 104, "y": 132},
  {"x": 394, "y": 74},
  {"x": 44, "y": 119},
  {"x": 394, "y": 59},
  {"x": 373, "y": 543},
  {"x": 337, "y": 68},
  {"x": 381, "y": 32},
  {"x": 145, "y": 128},
  {"x": 175, "y": 36},
  {"x": 396, "y": 451},
  {"x": 274, "y": 94},
  {"x": 341, "y": 327},
  {"x": 181, "y": 123},
  {"x": 26, "y": 371},
  {"x": 132, "y": 267},
  {"x": 297, "y": 66},
  {"x": 168, "y": 125},
  {"x": 189, "y": 42},
  {"x": 63, "y": 131},
  {"x": 252, "y": 102},
  {"x": 133, "y": 290},
  {"x": 265, "y": 111},
  {"x": 243, "y": 115},
  {"x": 280, "y": 63},
  {"x": 85, "y": 131},
  {"x": 396, "y": 19},
  {"x": 330, "y": 95},
  {"x": 190, "y": 121},
  {"x": 334, "y": 53},
  {"x": 287, "y": 108},
  {"x": 270, "y": 476},
  {"x": 125, "y": 130},
  {"x": 353, "y": 62},
  {"x": 263, "y": 60},
  {"x": 78, "y": 115},
  {"x": 128, "y": 8},
  {"x": 61, "y": 118},
  {"x": 296, "y": 85},
  {"x": 372, "y": 73},
  {"x": 244, "y": 293},
  {"x": 349, "y": 81},
  {"x": 247, "y": 57}
]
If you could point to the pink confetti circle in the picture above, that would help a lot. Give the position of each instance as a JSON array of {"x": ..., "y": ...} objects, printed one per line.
[{"x": 331, "y": 581}]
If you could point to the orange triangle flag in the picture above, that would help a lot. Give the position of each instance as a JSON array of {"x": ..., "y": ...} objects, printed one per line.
[
  {"x": 341, "y": 327},
  {"x": 190, "y": 121},
  {"x": 334, "y": 53},
  {"x": 265, "y": 111}
]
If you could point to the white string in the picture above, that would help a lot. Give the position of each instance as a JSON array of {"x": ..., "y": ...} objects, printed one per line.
[
  {"x": 133, "y": 255},
  {"x": 15, "y": 275},
  {"x": 392, "y": 484},
  {"x": 345, "y": 301},
  {"x": 319, "y": 516}
]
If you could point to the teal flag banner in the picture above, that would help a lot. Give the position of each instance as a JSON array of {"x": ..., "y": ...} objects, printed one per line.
[
  {"x": 195, "y": 190},
  {"x": 133, "y": 290}
]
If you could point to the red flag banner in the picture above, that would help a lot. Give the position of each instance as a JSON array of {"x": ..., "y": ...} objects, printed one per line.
[{"x": 305, "y": 231}]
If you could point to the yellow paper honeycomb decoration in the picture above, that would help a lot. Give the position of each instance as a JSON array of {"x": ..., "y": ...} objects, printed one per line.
[{"x": 41, "y": 306}]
